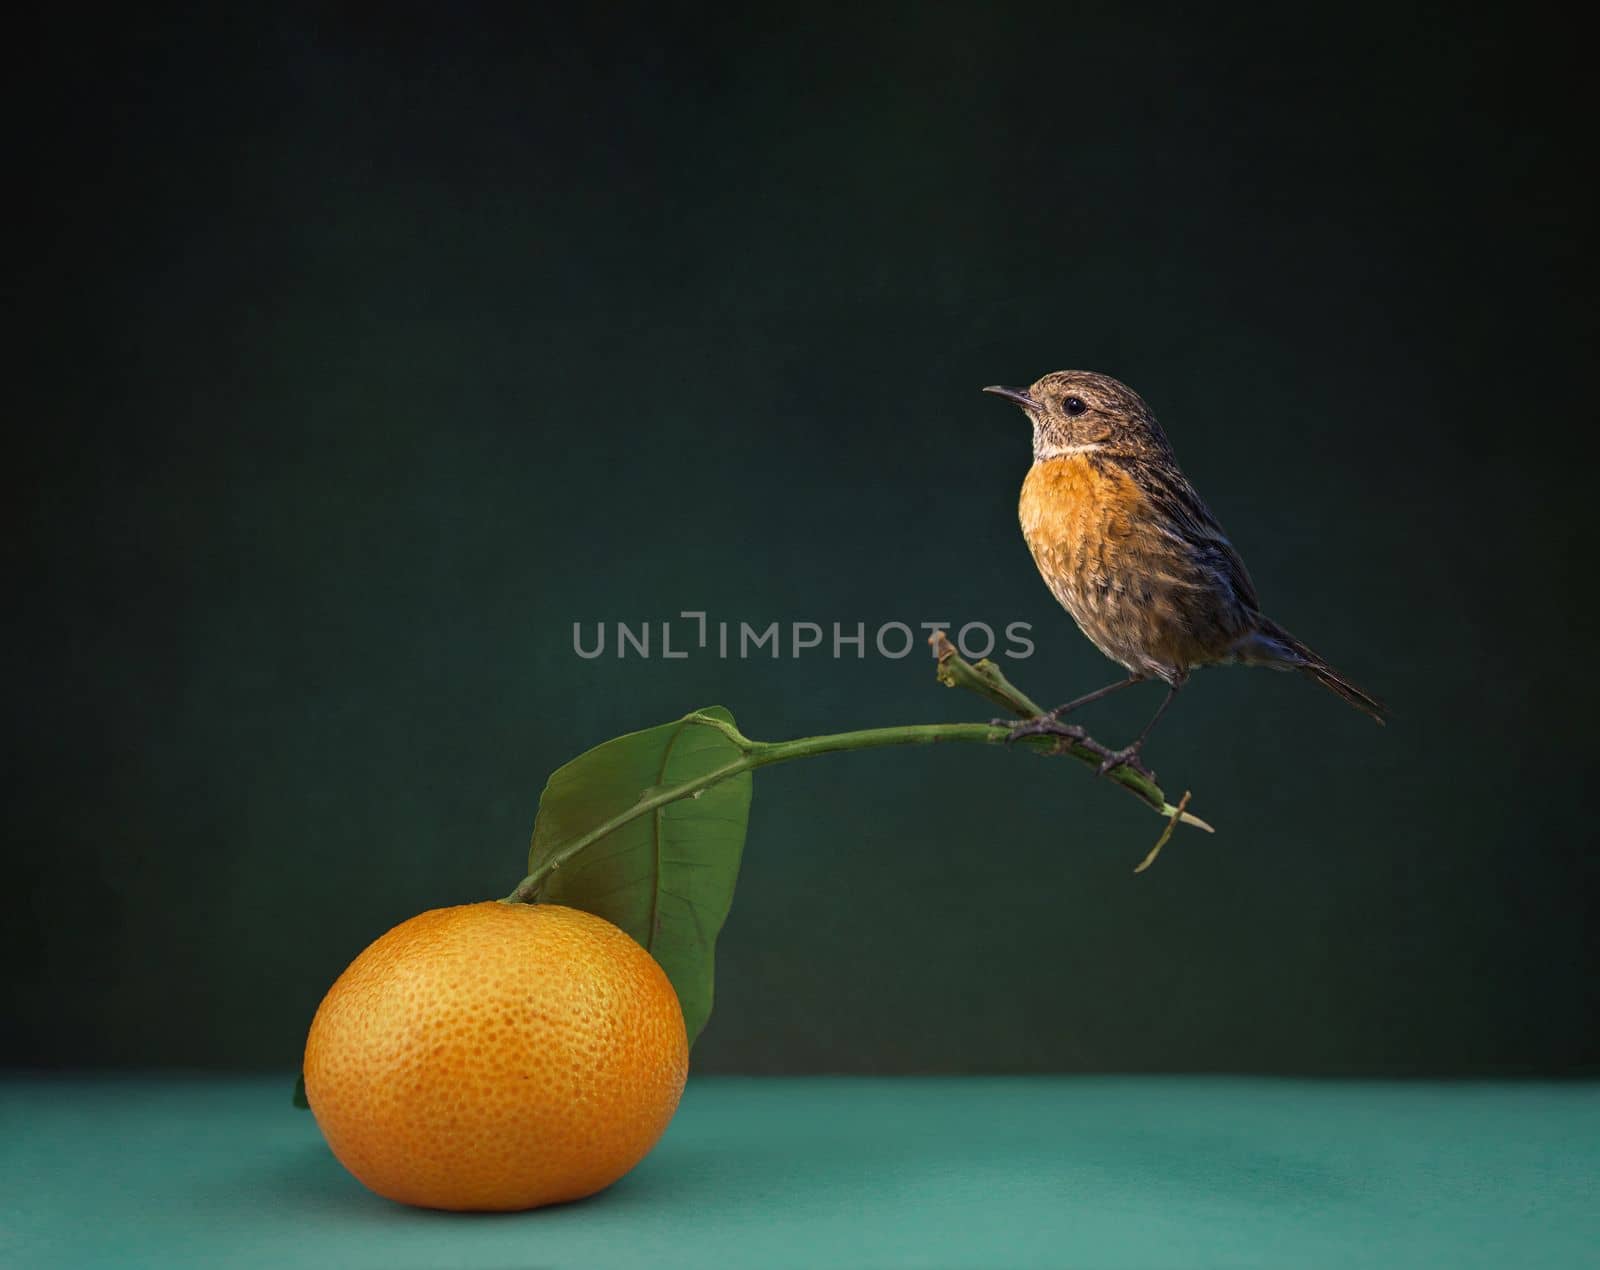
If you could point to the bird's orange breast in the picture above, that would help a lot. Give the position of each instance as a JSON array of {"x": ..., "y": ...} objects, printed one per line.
[
  {"x": 1077, "y": 515},
  {"x": 1096, "y": 540}
]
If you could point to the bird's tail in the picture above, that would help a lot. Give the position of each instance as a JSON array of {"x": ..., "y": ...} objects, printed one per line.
[{"x": 1284, "y": 650}]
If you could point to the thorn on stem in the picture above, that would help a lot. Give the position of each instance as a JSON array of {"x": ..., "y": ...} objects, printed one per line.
[{"x": 1172, "y": 823}]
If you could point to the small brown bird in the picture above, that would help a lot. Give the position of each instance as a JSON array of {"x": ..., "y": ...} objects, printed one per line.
[{"x": 1125, "y": 543}]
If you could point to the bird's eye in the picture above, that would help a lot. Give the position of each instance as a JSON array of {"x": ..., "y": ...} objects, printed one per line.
[{"x": 1073, "y": 405}]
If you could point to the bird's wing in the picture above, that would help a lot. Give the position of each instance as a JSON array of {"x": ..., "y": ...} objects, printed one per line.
[{"x": 1184, "y": 513}]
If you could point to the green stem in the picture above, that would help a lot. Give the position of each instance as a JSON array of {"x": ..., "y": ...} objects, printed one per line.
[
  {"x": 756, "y": 754},
  {"x": 984, "y": 678},
  {"x": 765, "y": 752}
]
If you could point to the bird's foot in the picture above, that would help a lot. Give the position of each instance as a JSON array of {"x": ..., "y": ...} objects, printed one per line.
[
  {"x": 1049, "y": 725},
  {"x": 1127, "y": 756},
  {"x": 1040, "y": 725}
]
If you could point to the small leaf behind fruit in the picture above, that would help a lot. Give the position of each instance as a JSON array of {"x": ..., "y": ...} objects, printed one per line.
[
  {"x": 665, "y": 877},
  {"x": 300, "y": 1094}
]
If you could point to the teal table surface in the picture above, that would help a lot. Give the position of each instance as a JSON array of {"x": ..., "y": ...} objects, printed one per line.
[{"x": 980, "y": 1172}]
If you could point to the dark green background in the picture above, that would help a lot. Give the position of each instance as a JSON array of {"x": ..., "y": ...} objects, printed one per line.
[{"x": 363, "y": 358}]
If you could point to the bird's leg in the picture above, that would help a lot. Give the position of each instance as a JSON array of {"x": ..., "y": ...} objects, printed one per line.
[
  {"x": 1095, "y": 695},
  {"x": 1045, "y": 724},
  {"x": 1128, "y": 756}
]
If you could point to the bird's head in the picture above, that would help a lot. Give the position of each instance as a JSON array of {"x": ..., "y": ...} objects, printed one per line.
[{"x": 1078, "y": 412}]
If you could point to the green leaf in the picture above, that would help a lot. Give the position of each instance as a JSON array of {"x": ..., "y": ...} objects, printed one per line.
[
  {"x": 667, "y": 876},
  {"x": 300, "y": 1094}
]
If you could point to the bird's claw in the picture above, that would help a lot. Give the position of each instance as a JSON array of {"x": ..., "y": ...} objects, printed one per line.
[
  {"x": 1039, "y": 725},
  {"x": 1127, "y": 757},
  {"x": 1049, "y": 725}
]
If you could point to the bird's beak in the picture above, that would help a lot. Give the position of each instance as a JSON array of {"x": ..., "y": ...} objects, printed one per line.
[{"x": 1018, "y": 395}]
